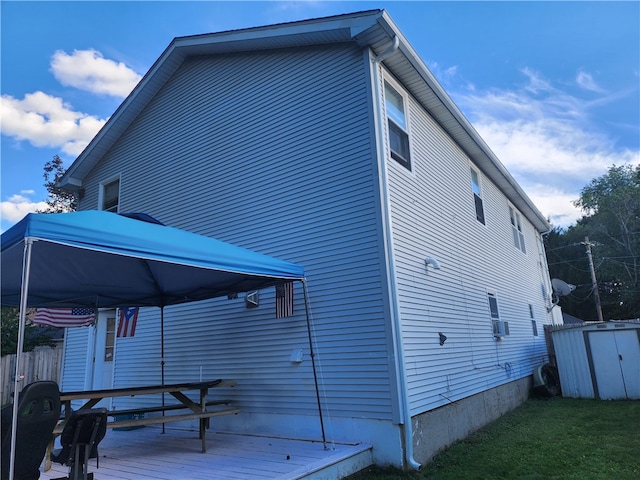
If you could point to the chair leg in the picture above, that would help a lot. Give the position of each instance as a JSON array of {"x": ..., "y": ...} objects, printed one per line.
[{"x": 78, "y": 468}]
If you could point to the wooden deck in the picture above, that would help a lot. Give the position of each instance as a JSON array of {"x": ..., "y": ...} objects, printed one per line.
[{"x": 148, "y": 454}]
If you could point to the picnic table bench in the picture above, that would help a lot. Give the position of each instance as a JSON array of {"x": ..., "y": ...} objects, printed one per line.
[{"x": 199, "y": 410}]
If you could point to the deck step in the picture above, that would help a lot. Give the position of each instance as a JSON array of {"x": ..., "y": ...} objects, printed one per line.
[{"x": 341, "y": 467}]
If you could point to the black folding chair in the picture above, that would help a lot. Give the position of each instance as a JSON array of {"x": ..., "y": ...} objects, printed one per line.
[
  {"x": 80, "y": 437},
  {"x": 38, "y": 413}
]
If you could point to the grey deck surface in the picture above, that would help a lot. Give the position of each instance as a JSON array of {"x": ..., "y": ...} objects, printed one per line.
[{"x": 147, "y": 453}]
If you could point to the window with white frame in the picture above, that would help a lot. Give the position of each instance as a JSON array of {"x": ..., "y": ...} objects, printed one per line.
[
  {"x": 477, "y": 195},
  {"x": 500, "y": 328},
  {"x": 534, "y": 325},
  {"x": 397, "y": 126},
  {"x": 516, "y": 229},
  {"x": 110, "y": 195},
  {"x": 493, "y": 306}
]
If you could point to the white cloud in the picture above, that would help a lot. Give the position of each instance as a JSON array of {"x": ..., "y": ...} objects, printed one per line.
[
  {"x": 18, "y": 206},
  {"x": 444, "y": 74},
  {"x": 536, "y": 84},
  {"x": 89, "y": 70},
  {"x": 46, "y": 121},
  {"x": 586, "y": 81},
  {"x": 551, "y": 149},
  {"x": 544, "y": 138}
]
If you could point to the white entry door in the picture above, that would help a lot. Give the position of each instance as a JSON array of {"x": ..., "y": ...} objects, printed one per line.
[{"x": 104, "y": 350}]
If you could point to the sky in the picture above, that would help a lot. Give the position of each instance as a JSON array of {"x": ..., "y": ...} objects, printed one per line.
[{"x": 552, "y": 87}]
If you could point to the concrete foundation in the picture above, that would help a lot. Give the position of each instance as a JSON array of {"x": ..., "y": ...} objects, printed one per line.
[{"x": 437, "y": 429}]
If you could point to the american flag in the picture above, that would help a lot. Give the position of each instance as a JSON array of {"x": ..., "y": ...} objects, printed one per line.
[
  {"x": 65, "y": 317},
  {"x": 127, "y": 322},
  {"x": 284, "y": 300}
]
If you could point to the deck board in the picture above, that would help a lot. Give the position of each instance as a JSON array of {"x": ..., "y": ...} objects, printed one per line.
[{"x": 148, "y": 454}]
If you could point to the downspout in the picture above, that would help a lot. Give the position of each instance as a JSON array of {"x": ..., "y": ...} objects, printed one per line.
[
  {"x": 391, "y": 271},
  {"x": 546, "y": 276}
]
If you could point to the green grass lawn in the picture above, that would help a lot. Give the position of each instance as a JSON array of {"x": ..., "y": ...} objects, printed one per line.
[{"x": 548, "y": 439}]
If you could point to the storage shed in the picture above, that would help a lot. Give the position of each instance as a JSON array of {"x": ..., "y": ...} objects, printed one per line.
[{"x": 599, "y": 360}]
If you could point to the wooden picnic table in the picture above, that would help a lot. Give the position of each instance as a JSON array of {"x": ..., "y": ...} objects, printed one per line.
[{"x": 127, "y": 418}]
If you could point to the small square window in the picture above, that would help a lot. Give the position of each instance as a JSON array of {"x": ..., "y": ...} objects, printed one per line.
[{"x": 110, "y": 194}]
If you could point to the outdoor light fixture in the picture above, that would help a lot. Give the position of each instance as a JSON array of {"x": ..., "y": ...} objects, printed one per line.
[
  {"x": 433, "y": 262},
  {"x": 252, "y": 300}
]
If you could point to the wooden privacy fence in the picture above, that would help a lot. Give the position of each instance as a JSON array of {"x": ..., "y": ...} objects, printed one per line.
[{"x": 43, "y": 363}]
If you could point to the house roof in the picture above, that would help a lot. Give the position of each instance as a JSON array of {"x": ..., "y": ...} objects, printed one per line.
[
  {"x": 571, "y": 320},
  {"x": 369, "y": 29}
]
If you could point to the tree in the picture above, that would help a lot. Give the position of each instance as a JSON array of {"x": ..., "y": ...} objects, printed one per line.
[
  {"x": 34, "y": 336},
  {"x": 611, "y": 204},
  {"x": 59, "y": 200}
]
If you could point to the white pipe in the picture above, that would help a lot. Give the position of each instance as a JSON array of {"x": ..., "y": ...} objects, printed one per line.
[
  {"x": 391, "y": 278},
  {"x": 24, "y": 291}
]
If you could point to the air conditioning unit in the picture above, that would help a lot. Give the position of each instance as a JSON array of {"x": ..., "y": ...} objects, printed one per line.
[{"x": 500, "y": 328}]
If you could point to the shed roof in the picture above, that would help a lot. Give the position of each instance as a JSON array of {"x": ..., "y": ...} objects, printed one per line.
[{"x": 369, "y": 29}]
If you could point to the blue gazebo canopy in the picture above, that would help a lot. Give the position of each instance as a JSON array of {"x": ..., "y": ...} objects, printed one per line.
[{"x": 102, "y": 259}]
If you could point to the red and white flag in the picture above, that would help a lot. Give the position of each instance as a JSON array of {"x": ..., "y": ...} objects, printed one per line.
[
  {"x": 127, "y": 322},
  {"x": 65, "y": 317}
]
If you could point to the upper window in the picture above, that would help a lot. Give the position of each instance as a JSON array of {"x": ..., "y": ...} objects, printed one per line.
[
  {"x": 477, "y": 197},
  {"x": 516, "y": 228},
  {"x": 397, "y": 122},
  {"x": 110, "y": 196}
]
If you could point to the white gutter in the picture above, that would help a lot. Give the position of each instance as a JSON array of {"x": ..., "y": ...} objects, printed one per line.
[{"x": 389, "y": 259}]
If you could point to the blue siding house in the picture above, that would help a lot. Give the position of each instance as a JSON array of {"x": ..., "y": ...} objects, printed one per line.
[{"x": 330, "y": 144}]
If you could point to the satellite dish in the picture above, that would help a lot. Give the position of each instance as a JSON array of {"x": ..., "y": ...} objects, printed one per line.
[{"x": 561, "y": 288}]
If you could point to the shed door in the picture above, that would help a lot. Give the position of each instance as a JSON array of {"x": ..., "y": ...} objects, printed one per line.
[{"x": 616, "y": 363}]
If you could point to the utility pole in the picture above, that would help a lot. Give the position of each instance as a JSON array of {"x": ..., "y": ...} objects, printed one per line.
[{"x": 594, "y": 283}]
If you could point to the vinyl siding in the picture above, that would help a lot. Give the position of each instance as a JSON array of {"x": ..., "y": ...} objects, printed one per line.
[
  {"x": 77, "y": 343},
  {"x": 433, "y": 215},
  {"x": 271, "y": 151}
]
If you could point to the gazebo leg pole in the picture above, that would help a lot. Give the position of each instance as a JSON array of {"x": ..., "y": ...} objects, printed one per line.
[
  {"x": 162, "y": 358},
  {"x": 313, "y": 362},
  {"x": 26, "y": 267}
]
